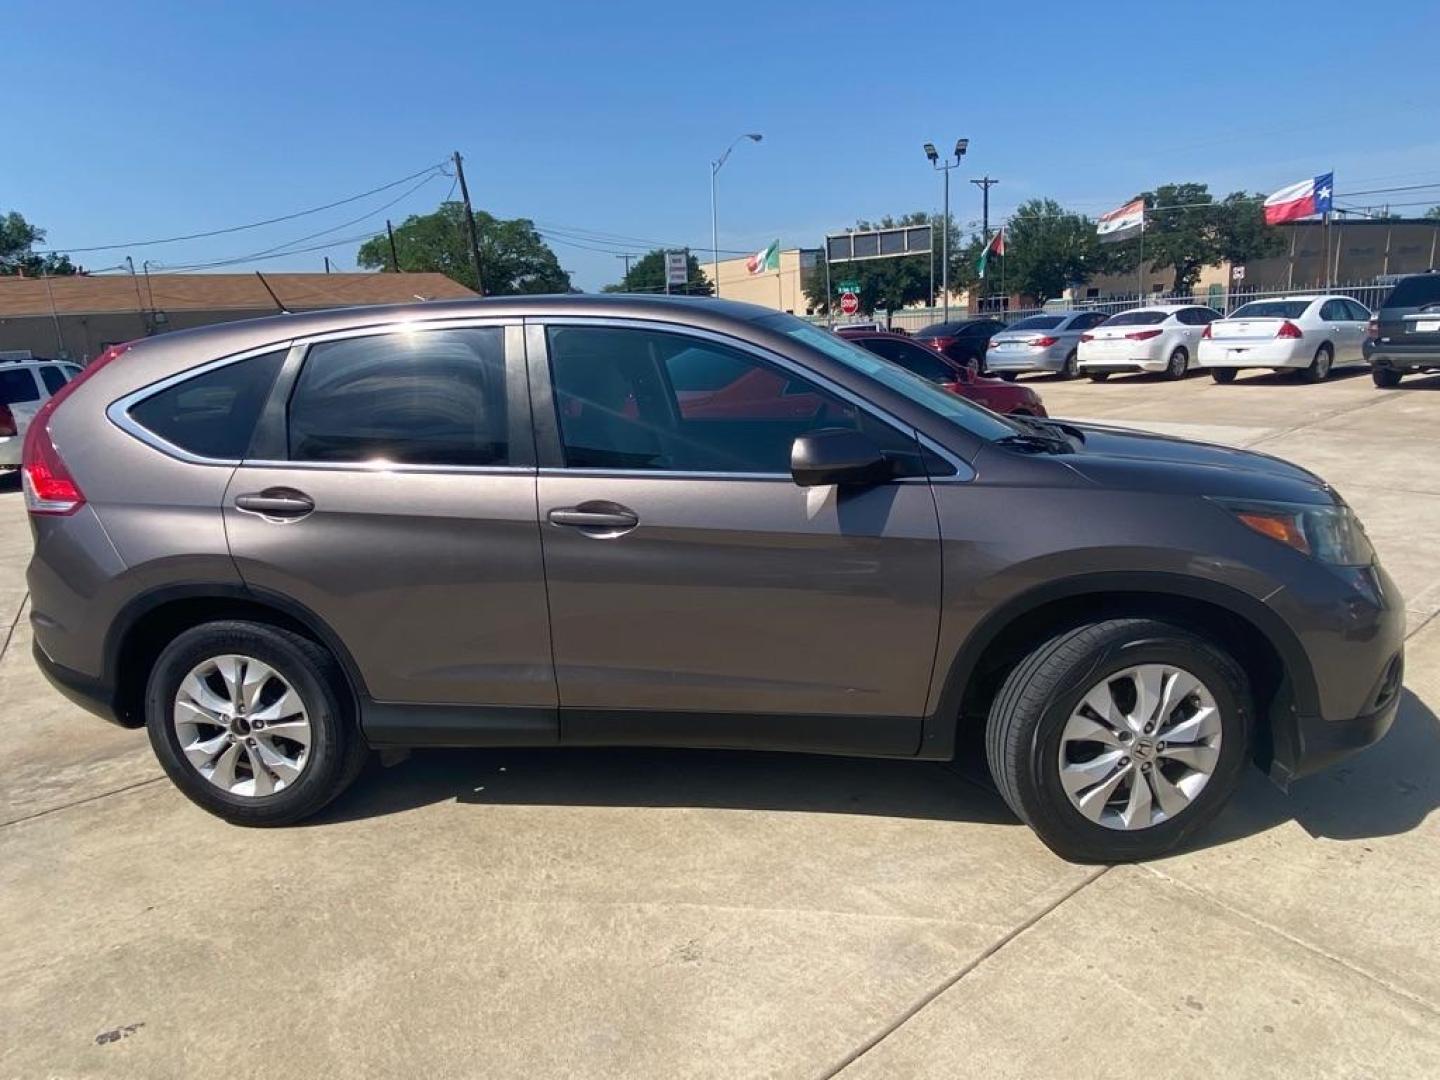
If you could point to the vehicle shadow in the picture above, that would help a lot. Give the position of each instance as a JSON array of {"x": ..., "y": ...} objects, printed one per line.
[
  {"x": 1383, "y": 791},
  {"x": 9, "y": 480},
  {"x": 714, "y": 779}
]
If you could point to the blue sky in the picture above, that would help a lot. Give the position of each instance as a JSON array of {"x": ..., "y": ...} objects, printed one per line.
[{"x": 129, "y": 121}]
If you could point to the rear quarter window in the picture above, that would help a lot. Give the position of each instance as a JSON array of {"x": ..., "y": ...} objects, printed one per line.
[{"x": 212, "y": 415}]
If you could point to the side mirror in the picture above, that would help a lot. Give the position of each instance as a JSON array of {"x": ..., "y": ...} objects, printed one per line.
[{"x": 837, "y": 456}]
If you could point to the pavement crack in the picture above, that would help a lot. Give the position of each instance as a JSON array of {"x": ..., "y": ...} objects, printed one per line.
[
  {"x": 1309, "y": 946},
  {"x": 10, "y": 631},
  {"x": 80, "y": 802},
  {"x": 945, "y": 984}
]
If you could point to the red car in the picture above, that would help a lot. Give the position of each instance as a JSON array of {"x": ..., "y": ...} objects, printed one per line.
[{"x": 955, "y": 376}]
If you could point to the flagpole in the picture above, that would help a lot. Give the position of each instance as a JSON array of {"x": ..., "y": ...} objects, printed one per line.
[{"x": 1140, "y": 263}]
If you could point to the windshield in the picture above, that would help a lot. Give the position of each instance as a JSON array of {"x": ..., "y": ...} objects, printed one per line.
[
  {"x": 974, "y": 419},
  {"x": 1137, "y": 318},
  {"x": 1038, "y": 322},
  {"x": 1271, "y": 309}
]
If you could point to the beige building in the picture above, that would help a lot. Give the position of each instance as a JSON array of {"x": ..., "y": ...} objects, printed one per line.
[
  {"x": 77, "y": 317},
  {"x": 783, "y": 289}
]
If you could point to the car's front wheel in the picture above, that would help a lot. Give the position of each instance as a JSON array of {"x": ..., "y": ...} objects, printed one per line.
[
  {"x": 1117, "y": 739},
  {"x": 252, "y": 722}
]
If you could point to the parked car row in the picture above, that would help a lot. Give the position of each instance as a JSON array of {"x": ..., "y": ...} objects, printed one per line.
[{"x": 1311, "y": 334}]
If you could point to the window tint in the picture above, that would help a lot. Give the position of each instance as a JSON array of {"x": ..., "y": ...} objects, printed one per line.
[
  {"x": 1334, "y": 311},
  {"x": 1271, "y": 309},
  {"x": 1415, "y": 292},
  {"x": 1358, "y": 311},
  {"x": 913, "y": 358},
  {"x": 436, "y": 397},
  {"x": 1137, "y": 318},
  {"x": 17, "y": 385},
  {"x": 212, "y": 415},
  {"x": 52, "y": 377},
  {"x": 70, "y": 371},
  {"x": 627, "y": 399},
  {"x": 1038, "y": 322}
]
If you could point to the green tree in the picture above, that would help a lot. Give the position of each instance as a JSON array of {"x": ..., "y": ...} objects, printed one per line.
[
  {"x": 17, "y": 237},
  {"x": 1048, "y": 249},
  {"x": 1432, "y": 213},
  {"x": 514, "y": 259},
  {"x": 647, "y": 275},
  {"x": 1240, "y": 230},
  {"x": 887, "y": 283}
]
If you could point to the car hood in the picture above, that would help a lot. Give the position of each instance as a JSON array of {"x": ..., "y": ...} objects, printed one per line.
[{"x": 1112, "y": 456}]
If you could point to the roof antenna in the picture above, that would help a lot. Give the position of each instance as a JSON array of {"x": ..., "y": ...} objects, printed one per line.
[{"x": 283, "y": 309}]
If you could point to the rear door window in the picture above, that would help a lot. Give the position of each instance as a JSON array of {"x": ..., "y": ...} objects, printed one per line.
[
  {"x": 52, "y": 377},
  {"x": 431, "y": 398},
  {"x": 17, "y": 385},
  {"x": 1334, "y": 311},
  {"x": 212, "y": 415}
]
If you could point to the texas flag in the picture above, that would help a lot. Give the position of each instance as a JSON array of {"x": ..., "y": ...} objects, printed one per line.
[{"x": 1302, "y": 200}]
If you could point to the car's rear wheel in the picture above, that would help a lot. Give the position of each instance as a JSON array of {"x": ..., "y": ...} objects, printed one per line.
[
  {"x": 1319, "y": 368},
  {"x": 1116, "y": 740},
  {"x": 1222, "y": 374},
  {"x": 1178, "y": 364},
  {"x": 252, "y": 722},
  {"x": 1385, "y": 378},
  {"x": 1072, "y": 365},
  {"x": 1098, "y": 376},
  {"x": 1008, "y": 376}
]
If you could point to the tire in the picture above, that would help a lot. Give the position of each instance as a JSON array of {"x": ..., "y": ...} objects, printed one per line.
[
  {"x": 335, "y": 754},
  {"x": 1008, "y": 376},
  {"x": 1223, "y": 374},
  {"x": 1098, "y": 376},
  {"x": 1385, "y": 378},
  {"x": 1027, "y": 730},
  {"x": 1072, "y": 366},
  {"x": 1319, "y": 369},
  {"x": 1178, "y": 364}
]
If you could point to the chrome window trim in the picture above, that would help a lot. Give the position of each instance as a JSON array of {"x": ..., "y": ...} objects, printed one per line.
[{"x": 963, "y": 471}]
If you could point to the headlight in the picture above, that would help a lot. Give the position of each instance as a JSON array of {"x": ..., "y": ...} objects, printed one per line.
[{"x": 1332, "y": 534}]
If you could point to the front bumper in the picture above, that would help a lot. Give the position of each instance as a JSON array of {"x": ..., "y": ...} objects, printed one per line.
[{"x": 1307, "y": 744}]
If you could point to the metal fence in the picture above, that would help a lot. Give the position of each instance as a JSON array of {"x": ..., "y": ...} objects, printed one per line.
[{"x": 1224, "y": 300}]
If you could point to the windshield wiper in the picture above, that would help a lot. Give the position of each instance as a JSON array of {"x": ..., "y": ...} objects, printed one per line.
[
  {"x": 1048, "y": 430},
  {"x": 1045, "y": 443}
]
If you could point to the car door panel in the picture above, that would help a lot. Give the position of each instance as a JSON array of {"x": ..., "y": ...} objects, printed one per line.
[{"x": 430, "y": 573}]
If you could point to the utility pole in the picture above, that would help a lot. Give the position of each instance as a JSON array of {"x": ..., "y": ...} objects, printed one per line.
[
  {"x": 327, "y": 264},
  {"x": 394, "y": 256},
  {"x": 145, "y": 317},
  {"x": 470, "y": 224},
  {"x": 985, "y": 185},
  {"x": 627, "y": 257}
]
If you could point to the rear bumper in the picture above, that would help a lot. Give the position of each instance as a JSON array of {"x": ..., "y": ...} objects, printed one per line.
[
  {"x": 1237, "y": 354},
  {"x": 91, "y": 694},
  {"x": 1025, "y": 360},
  {"x": 1381, "y": 355}
]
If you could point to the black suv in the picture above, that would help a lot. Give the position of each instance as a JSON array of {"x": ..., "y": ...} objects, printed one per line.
[{"x": 1405, "y": 336}]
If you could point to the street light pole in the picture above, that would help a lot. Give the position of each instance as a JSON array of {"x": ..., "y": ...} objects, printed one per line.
[
  {"x": 714, "y": 222},
  {"x": 961, "y": 145}
]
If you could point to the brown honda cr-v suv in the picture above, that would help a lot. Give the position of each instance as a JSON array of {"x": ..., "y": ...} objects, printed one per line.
[{"x": 619, "y": 520}]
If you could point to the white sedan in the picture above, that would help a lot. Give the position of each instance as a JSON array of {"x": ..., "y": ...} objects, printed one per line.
[
  {"x": 1160, "y": 338},
  {"x": 1309, "y": 334}
]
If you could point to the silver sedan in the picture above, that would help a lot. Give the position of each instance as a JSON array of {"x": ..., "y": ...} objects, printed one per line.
[{"x": 1040, "y": 343}]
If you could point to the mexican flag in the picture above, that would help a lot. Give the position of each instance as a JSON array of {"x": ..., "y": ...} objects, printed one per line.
[
  {"x": 767, "y": 258},
  {"x": 997, "y": 245}
]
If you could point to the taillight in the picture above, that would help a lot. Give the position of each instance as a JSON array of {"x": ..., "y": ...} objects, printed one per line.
[
  {"x": 1044, "y": 342},
  {"x": 1372, "y": 329},
  {"x": 1206, "y": 334},
  {"x": 1087, "y": 337},
  {"x": 49, "y": 487},
  {"x": 7, "y": 421},
  {"x": 1143, "y": 335},
  {"x": 1288, "y": 330}
]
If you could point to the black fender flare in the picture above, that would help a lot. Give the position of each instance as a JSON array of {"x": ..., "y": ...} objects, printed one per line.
[{"x": 942, "y": 724}]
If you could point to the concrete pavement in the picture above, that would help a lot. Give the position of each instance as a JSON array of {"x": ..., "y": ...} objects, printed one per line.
[{"x": 626, "y": 913}]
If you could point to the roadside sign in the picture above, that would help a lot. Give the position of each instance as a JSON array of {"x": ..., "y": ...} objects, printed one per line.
[
  {"x": 848, "y": 286},
  {"x": 1237, "y": 273},
  {"x": 676, "y": 267},
  {"x": 849, "y": 303}
]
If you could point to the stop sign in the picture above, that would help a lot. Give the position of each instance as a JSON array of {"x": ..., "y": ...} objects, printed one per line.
[{"x": 849, "y": 303}]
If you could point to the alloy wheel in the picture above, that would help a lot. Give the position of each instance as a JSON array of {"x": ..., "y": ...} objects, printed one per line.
[
  {"x": 1140, "y": 746},
  {"x": 242, "y": 726}
]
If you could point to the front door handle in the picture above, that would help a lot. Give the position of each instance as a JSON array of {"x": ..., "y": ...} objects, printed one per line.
[
  {"x": 600, "y": 516},
  {"x": 284, "y": 503}
]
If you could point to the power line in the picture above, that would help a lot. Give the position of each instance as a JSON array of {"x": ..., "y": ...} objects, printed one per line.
[{"x": 430, "y": 170}]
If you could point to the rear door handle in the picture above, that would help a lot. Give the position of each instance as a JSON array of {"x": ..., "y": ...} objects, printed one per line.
[
  {"x": 594, "y": 515},
  {"x": 284, "y": 503}
]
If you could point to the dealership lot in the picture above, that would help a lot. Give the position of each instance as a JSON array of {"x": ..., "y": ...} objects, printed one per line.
[{"x": 641, "y": 913}]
